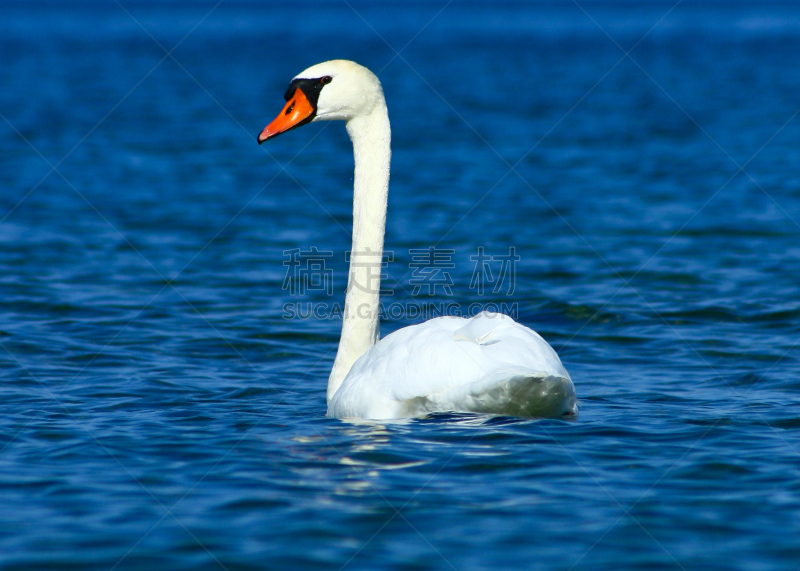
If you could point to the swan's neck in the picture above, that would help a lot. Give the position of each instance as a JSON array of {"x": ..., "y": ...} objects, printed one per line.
[{"x": 371, "y": 136}]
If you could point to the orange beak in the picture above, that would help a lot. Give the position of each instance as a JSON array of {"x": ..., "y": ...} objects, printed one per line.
[{"x": 297, "y": 111}]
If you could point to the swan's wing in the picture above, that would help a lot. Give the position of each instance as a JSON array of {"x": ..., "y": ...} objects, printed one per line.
[{"x": 450, "y": 363}]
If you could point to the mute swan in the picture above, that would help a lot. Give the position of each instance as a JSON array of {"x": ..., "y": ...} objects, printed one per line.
[{"x": 486, "y": 364}]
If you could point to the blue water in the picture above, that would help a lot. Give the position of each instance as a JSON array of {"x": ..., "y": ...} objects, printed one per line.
[{"x": 157, "y": 409}]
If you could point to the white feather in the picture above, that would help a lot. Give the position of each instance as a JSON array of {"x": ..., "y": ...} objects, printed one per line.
[{"x": 488, "y": 363}]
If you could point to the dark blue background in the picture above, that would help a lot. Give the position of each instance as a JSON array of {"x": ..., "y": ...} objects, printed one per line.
[{"x": 156, "y": 411}]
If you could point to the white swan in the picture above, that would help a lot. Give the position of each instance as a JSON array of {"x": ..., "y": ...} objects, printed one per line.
[{"x": 488, "y": 363}]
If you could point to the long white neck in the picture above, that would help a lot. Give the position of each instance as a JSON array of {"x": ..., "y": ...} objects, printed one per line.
[{"x": 371, "y": 136}]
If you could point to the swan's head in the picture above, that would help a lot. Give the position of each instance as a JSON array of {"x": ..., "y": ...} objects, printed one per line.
[{"x": 336, "y": 89}]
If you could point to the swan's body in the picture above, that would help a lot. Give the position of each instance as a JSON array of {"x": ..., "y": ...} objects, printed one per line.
[{"x": 488, "y": 363}]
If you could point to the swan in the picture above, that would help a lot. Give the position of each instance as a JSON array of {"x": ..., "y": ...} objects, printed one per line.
[{"x": 484, "y": 364}]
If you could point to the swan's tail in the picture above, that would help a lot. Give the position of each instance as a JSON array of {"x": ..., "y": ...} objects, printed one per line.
[{"x": 534, "y": 395}]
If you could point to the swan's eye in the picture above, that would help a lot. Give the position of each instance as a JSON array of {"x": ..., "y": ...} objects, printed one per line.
[{"x": 325, "y": 80}]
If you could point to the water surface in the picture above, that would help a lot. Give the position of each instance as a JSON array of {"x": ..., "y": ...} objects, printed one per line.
[{"x": 158, "y": 411}]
